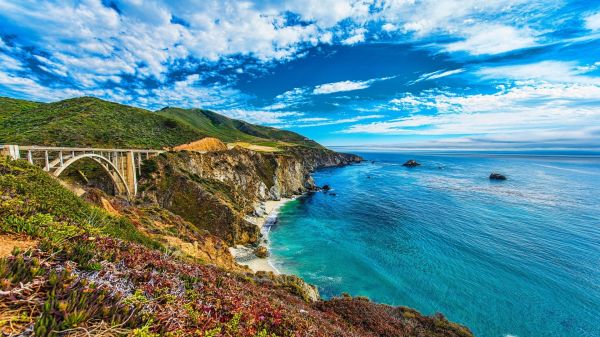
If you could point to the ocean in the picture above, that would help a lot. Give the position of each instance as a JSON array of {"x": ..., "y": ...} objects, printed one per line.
[{"x": 519, "y": 257}]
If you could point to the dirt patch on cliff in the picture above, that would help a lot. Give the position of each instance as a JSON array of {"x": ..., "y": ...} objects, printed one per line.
[
  {"x": 204, "y": 144},
  {"x": 257, "y": 148},
  {"x": 8, "y": 243},
  {"x": 207, "y": 249},
  {"x": 109, "y": 207}
]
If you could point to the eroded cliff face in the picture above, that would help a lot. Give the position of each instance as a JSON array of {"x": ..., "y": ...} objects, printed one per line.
[
  {"x": 183, "y": 238},
  {"x": 217, "y": 190}
]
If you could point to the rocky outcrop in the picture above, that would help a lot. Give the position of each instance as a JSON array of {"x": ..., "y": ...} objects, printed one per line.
[
  {"x": 261, "y": 252},
  {"x": 217, "y": 190},
  {"x": 497, "y": 176},
  {"x": 313, "y": 159},
  {"x": 411, "y": 163},
  {"x": 204, "y": 144}
]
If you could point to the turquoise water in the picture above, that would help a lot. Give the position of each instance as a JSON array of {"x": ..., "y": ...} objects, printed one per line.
[{"x": 514, "y": 258}]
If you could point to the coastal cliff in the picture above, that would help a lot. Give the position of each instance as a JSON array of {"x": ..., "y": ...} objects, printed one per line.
[{"x": 218, "y": 190}]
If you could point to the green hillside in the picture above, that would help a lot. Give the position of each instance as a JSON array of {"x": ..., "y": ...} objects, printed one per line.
[
  {"x": 9, "y": 107},
  {"x": 232, "y": 130},
  {"x": 88, "y": 121}
]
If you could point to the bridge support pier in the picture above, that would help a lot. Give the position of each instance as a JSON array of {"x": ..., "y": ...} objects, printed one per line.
[
  {"x": 11, "y": 151},
  {"x": 130, "y": 173}
]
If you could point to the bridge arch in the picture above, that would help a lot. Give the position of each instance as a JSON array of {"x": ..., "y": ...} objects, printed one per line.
[{"x": 109, "y": 167}]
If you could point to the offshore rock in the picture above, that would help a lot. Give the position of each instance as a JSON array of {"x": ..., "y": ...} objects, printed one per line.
[
  {"x": 497, "y": 176},
  {"x": 411, "y": 163}
]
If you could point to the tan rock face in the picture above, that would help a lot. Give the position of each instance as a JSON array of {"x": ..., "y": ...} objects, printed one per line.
[
  {"x": 216, "y": 190},
  {"x": 204, "y": 144}
]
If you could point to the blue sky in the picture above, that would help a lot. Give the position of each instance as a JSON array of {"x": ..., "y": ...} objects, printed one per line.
[{"x": 494, "y": 74}]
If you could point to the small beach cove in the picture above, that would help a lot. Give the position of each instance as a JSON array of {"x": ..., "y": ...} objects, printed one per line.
[{"x": 245, "y": 255}]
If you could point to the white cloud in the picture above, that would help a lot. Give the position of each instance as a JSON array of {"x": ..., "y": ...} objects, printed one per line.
[
  {"x": 8, "y": 63},
  {"x": 551, "y": 71},
  {"x": 289, "y": 99},
  {"x": 357, "y": 37},
  {"x": 143, "y": 41},
  {"x": 537, "y": 95},
  {"x": 354, "y": 39},
  {"x": 327, "y": 13},
  {"x": 329, "y": 88},
  {"x": 341, "y": 86},
  {"x": 388, "y": 27},
  {"x": 259, "y": 116},
  {"x": 326, "y": 121},
  {"x": 311, "y": 119},
  {"x": 493, "y": 39},
  {"x": 526, "y": 122},
  {"x": 437, "y": 74},
  {"x": 592, "y": 22},
  {"x": 526, "y": 111},
  {"x": 445, "y": 73}
]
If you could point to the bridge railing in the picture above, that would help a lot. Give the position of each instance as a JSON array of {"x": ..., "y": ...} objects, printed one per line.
[{"x": 80, "y": 149}]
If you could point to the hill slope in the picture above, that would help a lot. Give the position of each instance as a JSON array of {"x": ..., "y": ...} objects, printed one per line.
[
  {"x": 88, "y": 121},
  {"x": 232, "y": 130}
]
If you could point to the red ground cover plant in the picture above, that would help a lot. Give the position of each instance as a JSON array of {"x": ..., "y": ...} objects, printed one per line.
[{"x": 107, "y": 286}]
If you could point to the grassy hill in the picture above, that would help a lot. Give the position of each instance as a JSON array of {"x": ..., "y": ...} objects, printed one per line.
[
  {"x": 233, "y": 130},
  {"x": 88, "y": 121}
]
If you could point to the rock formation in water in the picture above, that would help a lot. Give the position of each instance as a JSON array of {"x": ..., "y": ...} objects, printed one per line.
[
  {"x": 411, "y": 163},
  {"x": 497, "y": 176}
]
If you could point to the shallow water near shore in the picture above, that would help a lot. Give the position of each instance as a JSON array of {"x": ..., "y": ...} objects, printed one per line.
[{"x": 519, "y": 257}]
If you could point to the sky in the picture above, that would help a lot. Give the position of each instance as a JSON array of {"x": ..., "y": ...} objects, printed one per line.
[{"x": 464, "y": 74}]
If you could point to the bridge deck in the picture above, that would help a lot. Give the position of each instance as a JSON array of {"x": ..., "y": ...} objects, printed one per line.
[{"x": 80, "y": 149}]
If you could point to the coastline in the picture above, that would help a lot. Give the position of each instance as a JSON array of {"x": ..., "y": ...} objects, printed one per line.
[{"x": 244, "y": 255}]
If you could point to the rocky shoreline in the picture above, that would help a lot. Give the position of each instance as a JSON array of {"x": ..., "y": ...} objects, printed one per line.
[{"x": 246, "y": 255}]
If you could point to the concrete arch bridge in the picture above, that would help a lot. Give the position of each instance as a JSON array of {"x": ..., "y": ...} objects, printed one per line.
[{"x": 123, "y": 166}]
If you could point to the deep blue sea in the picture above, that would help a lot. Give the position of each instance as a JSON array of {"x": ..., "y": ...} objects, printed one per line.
[{"x": 519, "y": 257}]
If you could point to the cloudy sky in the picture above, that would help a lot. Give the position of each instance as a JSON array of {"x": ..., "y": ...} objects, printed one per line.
[{"x": 399, "y": 73}]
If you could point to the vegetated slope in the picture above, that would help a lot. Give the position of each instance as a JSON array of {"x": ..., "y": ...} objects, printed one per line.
[
  {"x": 13, "y": 105},
  {"x": 88, "y": 121},
  {"x": 94, "y": 274},
  {"x": 233, "y": 130}
]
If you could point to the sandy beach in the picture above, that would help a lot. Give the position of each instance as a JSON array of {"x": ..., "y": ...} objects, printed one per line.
[{"x": 244, "y": 255}]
